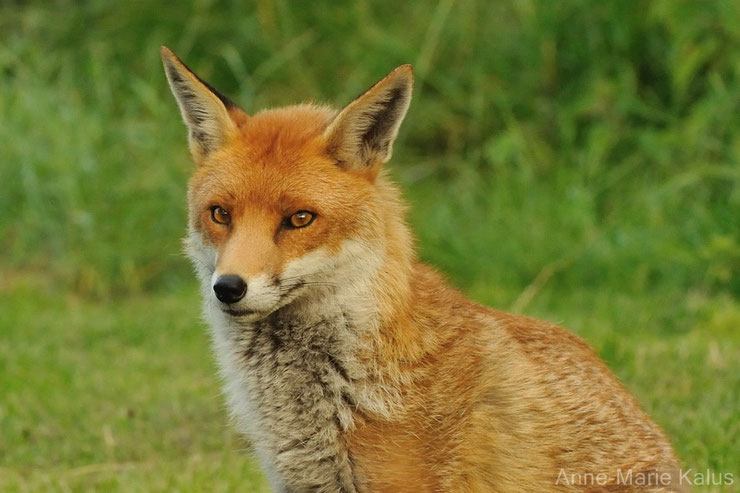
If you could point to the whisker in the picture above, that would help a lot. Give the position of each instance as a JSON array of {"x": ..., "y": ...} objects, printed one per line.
[
  {"x": 308, "y": 283},
  {"x": 284, "y": 279},
  {"x": 294, "y": 278}
]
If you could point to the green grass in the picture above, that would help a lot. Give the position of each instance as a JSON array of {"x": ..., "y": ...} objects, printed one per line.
[
  {"x": 113, "y": 395},
  {"x": 575, "y": 161},
  {"x": 122, "y": 395}
]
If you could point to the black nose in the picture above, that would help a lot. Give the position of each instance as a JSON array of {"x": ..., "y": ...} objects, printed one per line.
[{"x": 230, "y": 288}]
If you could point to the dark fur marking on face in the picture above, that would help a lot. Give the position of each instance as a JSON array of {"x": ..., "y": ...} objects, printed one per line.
[{"x": 296, "y": 285}]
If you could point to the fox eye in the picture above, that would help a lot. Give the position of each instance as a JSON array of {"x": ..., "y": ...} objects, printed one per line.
[
  {"x": 300, "y": 219},
  {"x": 220, "y": 215}
]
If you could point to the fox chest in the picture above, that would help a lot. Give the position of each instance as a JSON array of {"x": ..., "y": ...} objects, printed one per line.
[{"x": 290, "y": 386}]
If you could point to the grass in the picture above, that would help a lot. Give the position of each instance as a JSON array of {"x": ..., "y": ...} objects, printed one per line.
[
  {"x": 121, "y": 395},
  {"x": 126, "y": 398},
  {"x": 575, "y": 161}
]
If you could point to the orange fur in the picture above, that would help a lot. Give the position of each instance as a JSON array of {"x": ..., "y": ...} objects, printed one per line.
[{"x": 478, "y": 400}]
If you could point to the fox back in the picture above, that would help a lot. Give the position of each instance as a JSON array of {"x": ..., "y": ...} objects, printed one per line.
[{"x": 349, "y": 365}]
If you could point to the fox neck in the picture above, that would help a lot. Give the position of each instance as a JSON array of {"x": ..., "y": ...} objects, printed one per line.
[{"x": 397, "y": 337}]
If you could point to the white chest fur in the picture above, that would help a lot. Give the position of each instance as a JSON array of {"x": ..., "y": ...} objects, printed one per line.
[
  {"x": 293, "y": 379},
  {"x": 291, "y": 384}
]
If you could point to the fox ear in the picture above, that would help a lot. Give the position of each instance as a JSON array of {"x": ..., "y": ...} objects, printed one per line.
[
  {"x": 208, "y": 114},
  {"x": 362, "y": 134}
]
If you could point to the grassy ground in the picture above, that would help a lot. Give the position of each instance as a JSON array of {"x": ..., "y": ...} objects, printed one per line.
[
  {"x": 113, "y": 396},
  {"x": 575, "y": 161}
]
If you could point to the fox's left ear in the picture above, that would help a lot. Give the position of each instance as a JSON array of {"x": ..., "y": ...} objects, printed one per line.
[
  {"x": 211, "y": 117},
  {"x": 362, "y": 134}
]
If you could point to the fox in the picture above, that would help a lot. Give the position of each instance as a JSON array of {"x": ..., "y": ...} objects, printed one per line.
[{"x": 347, "y": 363}]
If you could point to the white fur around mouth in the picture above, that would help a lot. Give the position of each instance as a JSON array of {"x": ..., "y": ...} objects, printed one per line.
[{"x": 254, "y": 315}]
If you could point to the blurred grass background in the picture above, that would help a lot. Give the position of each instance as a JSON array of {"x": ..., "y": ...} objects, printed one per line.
[{"x": 573, "y": 160}]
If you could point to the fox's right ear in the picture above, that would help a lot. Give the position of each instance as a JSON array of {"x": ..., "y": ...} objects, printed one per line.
[
  {"x": 361, "y": 136},
  {"x": 211, "y": 118}
]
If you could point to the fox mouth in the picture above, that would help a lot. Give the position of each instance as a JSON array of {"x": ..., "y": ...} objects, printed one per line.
[
  {"x": 286, "y": 295},
  {"x": 238, "y": 313}
]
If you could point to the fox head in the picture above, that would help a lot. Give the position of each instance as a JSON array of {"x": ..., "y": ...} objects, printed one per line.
[{"x": 287, "y": 201}]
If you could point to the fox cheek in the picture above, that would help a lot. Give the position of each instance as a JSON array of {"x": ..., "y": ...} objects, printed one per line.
[{"x": 211, "y": 235}]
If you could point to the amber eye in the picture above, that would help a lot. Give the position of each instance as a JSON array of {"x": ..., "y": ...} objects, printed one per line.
[
  {"x": 301, "y": 219},
  {"x": 220, "y": 215}
]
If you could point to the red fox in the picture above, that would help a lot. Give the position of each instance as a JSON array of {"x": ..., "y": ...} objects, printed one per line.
[{"x": 351, "y": 366}]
